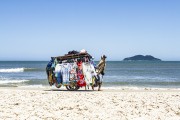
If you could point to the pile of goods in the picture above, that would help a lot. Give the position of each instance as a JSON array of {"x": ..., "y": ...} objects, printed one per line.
[{"x": 73, "y": 70}]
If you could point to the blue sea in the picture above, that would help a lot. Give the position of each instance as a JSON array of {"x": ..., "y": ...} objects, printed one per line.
[{"x": 160, "y": 74}]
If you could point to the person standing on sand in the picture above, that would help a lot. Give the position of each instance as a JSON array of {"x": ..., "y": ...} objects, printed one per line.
[
  {"x": 101, "y": 66},
  {"x": 100, "y": 70}
]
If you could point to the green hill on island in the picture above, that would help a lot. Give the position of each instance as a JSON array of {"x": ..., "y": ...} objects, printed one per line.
[{"x": 141, "y": 58}]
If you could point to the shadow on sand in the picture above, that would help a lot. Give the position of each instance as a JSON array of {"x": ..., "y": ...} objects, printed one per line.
[{"x": 70, "y": 91}]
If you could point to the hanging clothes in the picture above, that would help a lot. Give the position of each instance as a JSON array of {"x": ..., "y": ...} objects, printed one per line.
[
  {"x": 81, "y": 82},
  {"x": 87, "y": 71},
  {"x": 75, "y": 67},
  {"x": 94, "y": 74},
  {"x": 93, "y": 70},
  {"x": 58, "y": 73},
  {"x": 73, "y": 71},
  {"x": 66, "y": 72}
]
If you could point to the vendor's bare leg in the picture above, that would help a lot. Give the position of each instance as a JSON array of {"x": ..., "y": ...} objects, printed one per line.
[{"x": 99, "y": 87}]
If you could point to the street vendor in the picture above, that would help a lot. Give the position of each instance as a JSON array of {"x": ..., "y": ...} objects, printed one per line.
[{"x": 101, "y": 66}]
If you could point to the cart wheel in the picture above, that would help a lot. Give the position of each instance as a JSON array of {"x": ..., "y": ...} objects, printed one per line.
[{"x": 72, "y": 86}]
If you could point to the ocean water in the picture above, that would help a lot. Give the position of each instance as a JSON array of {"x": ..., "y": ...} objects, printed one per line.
[{"x": 120, "y": 73}]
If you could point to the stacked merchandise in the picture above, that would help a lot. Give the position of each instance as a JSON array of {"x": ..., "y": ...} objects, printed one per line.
[{"x": 76, "y": 67}]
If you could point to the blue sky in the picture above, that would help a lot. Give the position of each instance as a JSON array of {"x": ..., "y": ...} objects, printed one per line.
[{"x": 39, "y": 29}]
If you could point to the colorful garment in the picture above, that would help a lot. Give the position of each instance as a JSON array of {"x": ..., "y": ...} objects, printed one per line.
[
  {"x": 58, "y": 73},
  {"x": 87, "y": 71},
  {"x": 73, "y": 71},
  {"x": 81, "y": 82},
  {"x": 66, "y": 72}
]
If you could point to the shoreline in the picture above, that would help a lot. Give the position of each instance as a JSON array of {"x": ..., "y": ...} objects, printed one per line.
[{"x": 103, "y": 88}]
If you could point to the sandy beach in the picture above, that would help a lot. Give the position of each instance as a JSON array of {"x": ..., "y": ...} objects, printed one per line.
[{"x": 53, "y": 104}]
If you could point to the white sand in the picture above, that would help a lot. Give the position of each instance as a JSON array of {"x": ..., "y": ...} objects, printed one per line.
[{"x": 107, "y": 104}]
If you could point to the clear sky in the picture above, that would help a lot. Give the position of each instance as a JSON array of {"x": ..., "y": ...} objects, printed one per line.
[{"x": 39, "y": 29}]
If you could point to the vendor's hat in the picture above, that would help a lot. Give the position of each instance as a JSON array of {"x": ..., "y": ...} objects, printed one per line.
[{"x": 104, "y": 56}]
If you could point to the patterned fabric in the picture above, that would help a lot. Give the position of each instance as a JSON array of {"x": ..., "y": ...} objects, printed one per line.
[
  {"x": 73, "y": 71},
  {"x": 87, "y": 71},
  {"x": 66, "y": 72},
  {"x": 58, "y": 73},
  {"x": 80, "y": 75}
]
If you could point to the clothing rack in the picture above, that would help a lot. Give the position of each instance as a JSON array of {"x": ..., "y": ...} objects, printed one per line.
[{"x": 72, "y": 56}]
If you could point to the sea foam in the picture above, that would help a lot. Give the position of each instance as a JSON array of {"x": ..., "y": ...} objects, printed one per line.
[
  {"x": 12, "y": 81},
  {"x": 12, "y": 70}
]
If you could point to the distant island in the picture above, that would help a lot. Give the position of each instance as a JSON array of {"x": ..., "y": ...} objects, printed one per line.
[{"x": 141, "y": 58}]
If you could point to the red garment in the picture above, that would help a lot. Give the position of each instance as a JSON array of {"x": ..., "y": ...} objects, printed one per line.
[
  {"x": 81, "y": 82},
  {"x": 79, "y": 65}
]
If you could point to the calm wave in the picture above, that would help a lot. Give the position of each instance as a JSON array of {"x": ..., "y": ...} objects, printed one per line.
[{"x": 136, "y": 74}]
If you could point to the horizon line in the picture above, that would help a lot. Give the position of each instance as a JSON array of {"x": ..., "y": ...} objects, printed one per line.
[{"x": 94, "y": 60}]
